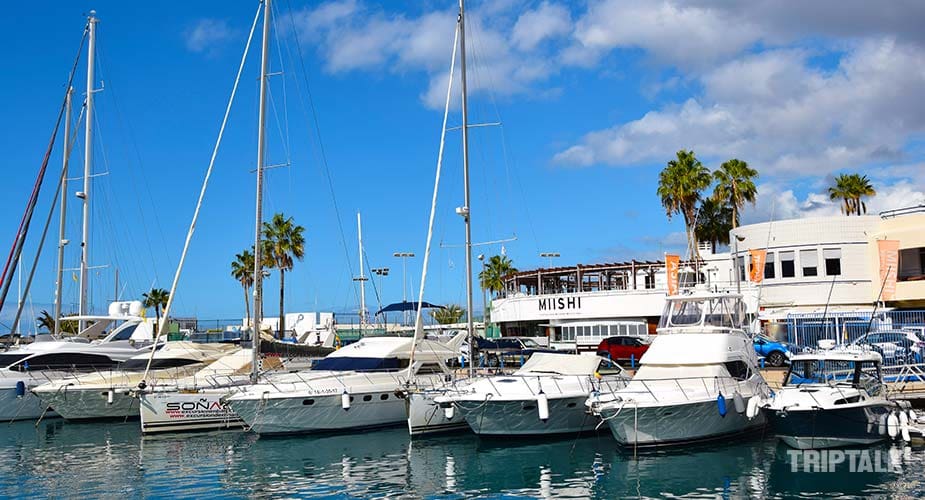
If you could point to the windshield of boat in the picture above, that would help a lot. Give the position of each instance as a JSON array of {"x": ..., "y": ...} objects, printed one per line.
[
  {"x": 125, "y": 333},
  {"x": 865, "y": 374},
  {"x": 721, "y": 312},
  {"x": 341, "y": 364}
]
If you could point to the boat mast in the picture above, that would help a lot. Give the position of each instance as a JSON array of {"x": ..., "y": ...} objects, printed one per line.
[
  {"x": 362, "y": 278},
  {"x": 465, "y": 209},
  {"x": 88, "y": 159},
  {"x": 63, "y": 194},
  {"x": 261, "y": 144}
]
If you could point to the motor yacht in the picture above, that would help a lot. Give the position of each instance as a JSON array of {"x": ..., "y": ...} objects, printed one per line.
[
  {"x": 694, "y": 380},
  {"x": 109, "y": 393},
  {"x": 831, "y": 398},
  {"x": 358, "y": 386},
  {"x": 545, "y": 396},
  {"x": 46, "y": 359}
]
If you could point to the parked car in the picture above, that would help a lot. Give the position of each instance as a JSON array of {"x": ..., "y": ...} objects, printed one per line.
[
  {"x": 623, "y": 347},
  {"x": 510, "y": 351},
  {"x": 774, "y": 353},
  {"x": 896, "y": 346}
]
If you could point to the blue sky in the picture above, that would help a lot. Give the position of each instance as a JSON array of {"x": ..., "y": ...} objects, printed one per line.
[{"x": 594, "y": 98}]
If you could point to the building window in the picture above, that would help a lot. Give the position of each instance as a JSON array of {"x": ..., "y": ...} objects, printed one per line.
[
  {"x": 832, "y": 257},
  {"x": 787, "y": 269},
  {"x": 769, "y": 266},
  {"x": 809, "y": 261},
  {"x": 740, "y": 265},
  {"x": 650, "y": 281},
  {"x": 912, "y": 264}
]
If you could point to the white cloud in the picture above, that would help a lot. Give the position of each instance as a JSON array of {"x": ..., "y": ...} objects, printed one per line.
[
  {"x": 534, "y": 26},
  {"x": 207, "y": 35},
  {"x": 776, "y": 202},
  {"x": 782, "y": 114}
]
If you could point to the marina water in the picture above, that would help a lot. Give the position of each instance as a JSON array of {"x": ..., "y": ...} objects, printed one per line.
[{"x": 107, "y": 460}]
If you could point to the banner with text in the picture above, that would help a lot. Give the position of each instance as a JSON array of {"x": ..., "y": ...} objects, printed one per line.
[
  {"x": 889, "y": 265},
  {"x": 756, "y": 271},
  {"x": 672, "y": 263}
]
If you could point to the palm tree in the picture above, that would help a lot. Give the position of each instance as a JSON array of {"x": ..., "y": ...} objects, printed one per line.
[
  {"x": 714, "y": 221},
  {"x": 156, "y": 298},
  {"x": 242, "y": 270},
  {"x": 450, "y": 314},
  {"x": 680, "y": 185},
  {"x": 46, "y": 321},
  {"x": 492, "y": 276},
  {"x": 735, "y": 184},
  {"x": 851, "y": 188},
  {"x": 284, "y": 242}
]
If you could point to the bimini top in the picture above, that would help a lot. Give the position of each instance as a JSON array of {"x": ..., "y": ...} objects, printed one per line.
[
  {"x": 854, "y": 354},
  {"x": 547, "y": 363}
]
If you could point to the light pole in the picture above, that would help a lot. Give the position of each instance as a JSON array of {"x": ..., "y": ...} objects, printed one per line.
[
  {"x": 549, "y": 256},
  {"x": 380, "y": 271},
  {"x": 481, "y": 258},
  {"x": 404, "y": 257}
]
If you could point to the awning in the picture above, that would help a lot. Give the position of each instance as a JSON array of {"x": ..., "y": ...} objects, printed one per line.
[{"x": 407, "y": 306}]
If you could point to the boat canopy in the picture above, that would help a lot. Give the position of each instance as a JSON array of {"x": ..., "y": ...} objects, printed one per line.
[
  {"x": 855, "y": 354},
  {"x": 546, "y": 363},
  {"x": 407, "y": 306}
]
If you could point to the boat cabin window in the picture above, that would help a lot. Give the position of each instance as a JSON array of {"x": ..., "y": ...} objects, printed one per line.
[
  {"x": 157, "y": 363},
  {"x": 738, "y": 370},
  {"x": 429, "y": 368},
  {"x": 125, "y": 333},
  {"x": 63, "y": 361},
  {"x": 360, "y": 364},
  {"x": 9, "y": 359},
  {"x": 723, "y": 312},
  {"x": 862, "y": 374}
]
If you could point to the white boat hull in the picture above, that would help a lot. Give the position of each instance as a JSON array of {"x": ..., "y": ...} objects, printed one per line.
[
  {"x": 181, "y": 411},
  {"x": 74, "y": 403},
  {"x": 320, "y": 413},
  {"x": 675, "y": 424},
  {"x": 567, "y": 415},
  {"x": 25, "y": 407},
  {"x": 425, "y": 416}
]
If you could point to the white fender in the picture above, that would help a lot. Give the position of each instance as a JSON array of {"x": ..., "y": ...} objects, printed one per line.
[
  {"x": 913, "y": 417},
  {"x": 903, "y": 419},
  {"x": 542, "y": 405},
  {"x": 892, "y": 425},
  {"x": 904, "y": 429},
  {"x": 752, "y": 409},
  {"x": 739, "y": 403},
  {"x": 449, "y": 412},
  {"x": 881, "y": 425},
  {"x": 345, "y": 400},
  {"x": 110, "y": 396}
]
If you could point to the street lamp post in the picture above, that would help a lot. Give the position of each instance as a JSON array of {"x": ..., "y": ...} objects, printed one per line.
[
  {"x": 549, "y": 256},
  {"x": 380, "y": 271},
  {"x": 404, "y": 257}
]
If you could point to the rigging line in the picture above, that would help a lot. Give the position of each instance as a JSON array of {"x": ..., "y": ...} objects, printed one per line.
[
  {"x": 418, "y": 317},
  {"x": 189, "y": 235},
  {"x": 282, "y": 70},
  {"x": 126, "y": 125},
  {"x": 324, "y": 161},
  {"x": 105, "y": 213},
  {"x": 505, "y": 155},
  {"x": 18, "y": 242}
]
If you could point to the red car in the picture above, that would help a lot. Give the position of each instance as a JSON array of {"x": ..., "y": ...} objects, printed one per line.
[{"x": 619, "y": 348}]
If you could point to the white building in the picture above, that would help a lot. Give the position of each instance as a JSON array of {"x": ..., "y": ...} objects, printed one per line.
[{"x": 810, "y": 263}]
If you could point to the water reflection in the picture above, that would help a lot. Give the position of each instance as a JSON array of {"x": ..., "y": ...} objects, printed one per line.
[{"x": 92, "y": 460}]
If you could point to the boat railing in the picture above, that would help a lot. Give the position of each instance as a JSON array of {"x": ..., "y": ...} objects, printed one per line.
[
  {"x": 688, "y": 387},
  {"x": 586, "y": 384}
]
